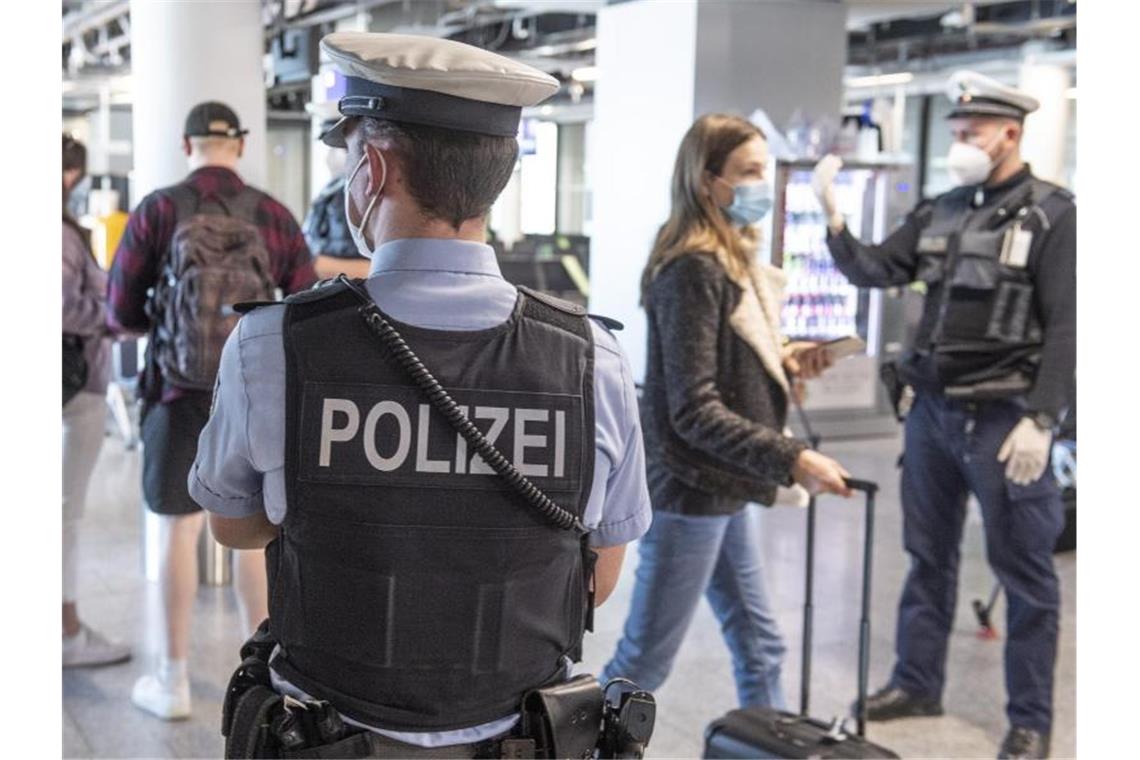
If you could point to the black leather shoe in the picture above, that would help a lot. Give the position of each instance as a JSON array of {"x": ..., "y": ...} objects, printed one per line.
[
  {"x": 1024, "y": 742},
  {"x": 891, "y": 702}
]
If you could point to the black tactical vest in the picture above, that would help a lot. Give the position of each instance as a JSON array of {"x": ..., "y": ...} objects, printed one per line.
[
  {"x": 325, "y": 227},
  {"x": 409, "y": 586},
  {"x": 980, "y": 332}
]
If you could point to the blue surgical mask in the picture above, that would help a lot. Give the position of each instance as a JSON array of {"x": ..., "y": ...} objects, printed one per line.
[{"x": 751, "y": 202}]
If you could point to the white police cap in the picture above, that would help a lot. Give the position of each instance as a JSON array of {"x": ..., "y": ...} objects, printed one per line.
[
  {"x": 431, "y": 81},
  {"x": 975, "y": 94}
]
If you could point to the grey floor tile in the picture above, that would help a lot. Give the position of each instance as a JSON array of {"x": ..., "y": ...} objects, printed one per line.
[{"x": 74, "y": 742}]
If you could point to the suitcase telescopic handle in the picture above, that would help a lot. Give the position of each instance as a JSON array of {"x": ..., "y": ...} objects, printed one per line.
[
  {"x": 869, "y": 489},
  {"x": 866, "y": 486}
]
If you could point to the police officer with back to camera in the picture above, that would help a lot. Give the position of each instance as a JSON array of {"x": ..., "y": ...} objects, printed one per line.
[
  {"x": 325, "y": 225},
  {"x": 445, "y": 469},
  {"x": 991, "y": 368}
]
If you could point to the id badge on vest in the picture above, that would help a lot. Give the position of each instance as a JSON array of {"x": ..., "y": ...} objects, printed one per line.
[{"x": 1015, "y": 247}]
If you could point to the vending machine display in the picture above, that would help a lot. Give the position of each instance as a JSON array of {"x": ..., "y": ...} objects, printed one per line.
[{"x": 820, "y": 304}]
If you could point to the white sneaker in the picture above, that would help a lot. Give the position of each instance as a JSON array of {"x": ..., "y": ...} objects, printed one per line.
[
  {"x": 90, "y": 647},
  {"x": 169, "y": 701}
]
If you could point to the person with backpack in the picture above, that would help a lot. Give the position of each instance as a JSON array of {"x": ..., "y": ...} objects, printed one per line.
[
  {"x": 190, "y": 252},
  {"x": 86, "y": 366}
]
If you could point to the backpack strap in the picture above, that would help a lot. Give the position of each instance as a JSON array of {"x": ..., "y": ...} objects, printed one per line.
[
  {"x": 244, "y": 205},
  {"x": 186, "y": 201},
  {"x": 245, "y": 307}
]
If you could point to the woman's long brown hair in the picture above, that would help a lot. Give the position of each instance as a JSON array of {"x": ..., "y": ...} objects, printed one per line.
[{"x": 695, "y": 222}]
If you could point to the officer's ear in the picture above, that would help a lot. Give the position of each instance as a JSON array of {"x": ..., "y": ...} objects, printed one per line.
[
  {"x": 1012, "y": 131},
  {"x": 186, "y": 146},
  {"x": 378, "y": 167}
]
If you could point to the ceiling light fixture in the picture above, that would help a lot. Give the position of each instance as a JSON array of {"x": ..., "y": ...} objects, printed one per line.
[
  {"x": 585, "y": 74},
  {"x": 879, "y": 80}
]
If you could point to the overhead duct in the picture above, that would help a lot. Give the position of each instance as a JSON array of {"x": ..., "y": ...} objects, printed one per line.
[{"x": 970, "y": 28}]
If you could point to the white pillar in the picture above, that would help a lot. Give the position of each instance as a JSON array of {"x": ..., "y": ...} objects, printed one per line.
[
  {"x": 1046, "y": 129},
  {"x": 184, "y": 52},
  {"x": 643, "y": 105}
]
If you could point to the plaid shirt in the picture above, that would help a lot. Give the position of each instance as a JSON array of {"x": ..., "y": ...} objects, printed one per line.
[{"x": 144, "y": 245}]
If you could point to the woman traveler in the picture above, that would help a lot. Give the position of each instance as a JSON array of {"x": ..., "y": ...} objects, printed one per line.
[
  {"x": 714, "y": 406},
  {"x": 86, "y": 364}
]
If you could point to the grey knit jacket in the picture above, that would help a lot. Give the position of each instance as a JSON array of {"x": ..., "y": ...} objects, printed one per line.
[{"x": 712, "y": 409}]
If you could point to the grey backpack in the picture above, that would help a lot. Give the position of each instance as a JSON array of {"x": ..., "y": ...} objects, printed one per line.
[{"x": 216, "y": 258}]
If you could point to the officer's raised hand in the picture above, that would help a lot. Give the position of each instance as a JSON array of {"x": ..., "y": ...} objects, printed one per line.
[
  {"x": 823, "y": 183},
  {"x": 1026, "y": 451}
]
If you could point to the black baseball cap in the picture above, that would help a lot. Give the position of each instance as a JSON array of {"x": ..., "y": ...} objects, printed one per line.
[{"x": 212, "y": 119}]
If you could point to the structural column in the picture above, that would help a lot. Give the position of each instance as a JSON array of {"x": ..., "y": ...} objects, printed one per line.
[
  {"x": 182, "y": 53},
  {"x": 1047, "y": 129}
]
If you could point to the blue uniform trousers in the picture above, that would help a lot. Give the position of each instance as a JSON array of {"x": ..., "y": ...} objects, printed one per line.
[{"x": 951, "y": 451}]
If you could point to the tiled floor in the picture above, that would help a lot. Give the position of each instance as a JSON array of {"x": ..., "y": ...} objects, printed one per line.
[{"x": 99, "y": 720}]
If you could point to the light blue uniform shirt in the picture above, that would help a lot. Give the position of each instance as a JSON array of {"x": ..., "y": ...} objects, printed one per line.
[{"x": 441, "y": 284}]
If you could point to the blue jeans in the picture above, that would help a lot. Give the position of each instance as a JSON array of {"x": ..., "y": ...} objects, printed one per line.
[
  {"x": 951, "y": 450},
  {"x": 683, "y": 557}
]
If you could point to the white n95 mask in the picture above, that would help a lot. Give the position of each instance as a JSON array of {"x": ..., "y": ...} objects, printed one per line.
[
  {"x": 968, "y": 164},
  {"x": 357, "y": 231}
]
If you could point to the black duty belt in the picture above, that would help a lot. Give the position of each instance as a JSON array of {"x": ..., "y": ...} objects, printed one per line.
[{"x": 568, "y": 719}]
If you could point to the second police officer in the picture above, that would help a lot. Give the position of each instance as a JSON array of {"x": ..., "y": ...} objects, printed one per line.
[
  {"x": 992, "y": 369},
  {"x": 416, "y": 594},
  {"x": 325, "y": 226}
]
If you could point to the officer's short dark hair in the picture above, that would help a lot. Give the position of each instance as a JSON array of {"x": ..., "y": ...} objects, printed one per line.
[{"x": 452, "y": 175}]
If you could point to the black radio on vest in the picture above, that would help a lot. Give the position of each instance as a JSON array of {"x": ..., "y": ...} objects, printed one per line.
[{"x": 473, "y": 598}]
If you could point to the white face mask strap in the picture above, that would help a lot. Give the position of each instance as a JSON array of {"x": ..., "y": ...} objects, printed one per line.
[
  {"x": 348, "y": 183},
  {"x": 376, "y": 195},
  {"x": 995, "y": 161}
]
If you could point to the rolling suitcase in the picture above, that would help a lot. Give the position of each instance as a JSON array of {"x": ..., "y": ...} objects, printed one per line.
[{"x": 763, "y": 732}]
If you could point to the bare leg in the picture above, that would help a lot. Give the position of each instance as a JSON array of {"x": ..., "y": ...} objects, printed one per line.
[
  {"x": 179, "y": 580},
  {"x": 71, "y": 624},
  {"x": 83, "y": 419},
  {"x": 250, "y": 584}
]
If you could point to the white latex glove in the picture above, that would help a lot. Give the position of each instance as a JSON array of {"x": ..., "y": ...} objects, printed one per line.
[
  {"x": 1025, "y": 452},
  {"x": 823, "y": 184}
]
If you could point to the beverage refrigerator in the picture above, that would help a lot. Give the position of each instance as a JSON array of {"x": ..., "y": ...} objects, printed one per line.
[{"x": 820, "y": 304}]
